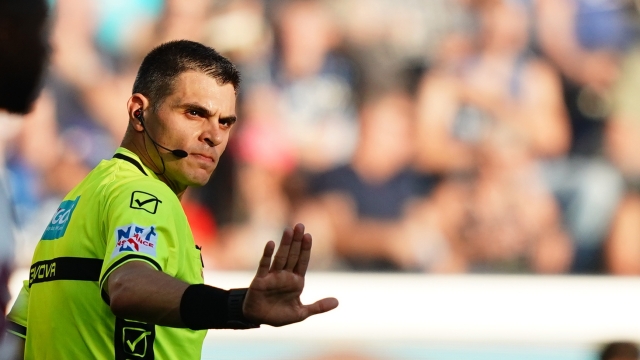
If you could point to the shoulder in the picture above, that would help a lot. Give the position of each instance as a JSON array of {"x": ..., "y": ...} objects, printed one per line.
[
  {"x": 125, "y": 178},
  {"x": 141, "y": 193}
]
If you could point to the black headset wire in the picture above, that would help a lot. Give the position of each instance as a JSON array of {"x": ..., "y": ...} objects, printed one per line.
[{"x": 144, "y": 127}]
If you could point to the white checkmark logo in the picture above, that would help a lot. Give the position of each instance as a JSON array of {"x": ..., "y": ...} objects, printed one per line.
[{"x": 136, "y": 341}]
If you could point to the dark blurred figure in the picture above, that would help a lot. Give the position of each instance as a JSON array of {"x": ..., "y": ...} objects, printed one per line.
[
  {"x": 620, "y": 351},
  {"x": 23, "y": 54}
]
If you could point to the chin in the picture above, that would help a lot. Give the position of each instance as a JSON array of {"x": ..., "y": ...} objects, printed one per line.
[
  {"x": 192, "y": 177},
  {"x": 198, "y": 180},
  {"x": 199, "y": 183}
]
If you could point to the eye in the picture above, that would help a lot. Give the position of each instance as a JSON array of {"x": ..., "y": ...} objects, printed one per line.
[
  {"x": 227, "y": 122},
  {"x": 193, "y": 113}
]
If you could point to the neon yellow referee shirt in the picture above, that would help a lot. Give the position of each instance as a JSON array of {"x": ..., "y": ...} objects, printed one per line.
[{"x": 120, "y": 212}]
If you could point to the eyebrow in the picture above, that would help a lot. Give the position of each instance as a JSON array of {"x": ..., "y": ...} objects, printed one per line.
[{"x": 193, "y": 106}]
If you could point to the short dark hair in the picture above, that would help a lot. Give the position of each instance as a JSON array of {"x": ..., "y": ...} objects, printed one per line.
[
  {"x": 165, "y": 63},
  {"x": 24, "y": 50}
]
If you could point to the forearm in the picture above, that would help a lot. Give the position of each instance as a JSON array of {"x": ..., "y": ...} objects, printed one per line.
[
  {"x": 445, "y": 156},
  {"x": 139, "y": 292},
  {"x": 370, "y": 239},
  {"x": 557, "y": 34},
  {"x": 543, "y": 129}
]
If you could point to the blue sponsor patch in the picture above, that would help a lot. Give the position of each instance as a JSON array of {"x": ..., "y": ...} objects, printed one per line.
[{"x": 58, "y": 224}]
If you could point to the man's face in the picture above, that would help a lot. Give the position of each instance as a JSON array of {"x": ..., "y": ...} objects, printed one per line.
[{"x": 197, "y": 118}]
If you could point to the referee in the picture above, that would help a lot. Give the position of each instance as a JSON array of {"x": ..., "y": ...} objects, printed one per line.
[{"x": 116, "y": 274}]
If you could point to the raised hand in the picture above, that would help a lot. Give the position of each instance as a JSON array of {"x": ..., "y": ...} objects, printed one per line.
[{"x": 274, "y": 294}]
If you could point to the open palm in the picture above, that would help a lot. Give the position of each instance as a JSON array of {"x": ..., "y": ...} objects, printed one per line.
[{"x": 273, "y": 297}]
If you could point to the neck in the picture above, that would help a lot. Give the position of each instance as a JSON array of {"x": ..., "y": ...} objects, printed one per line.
[{"x": 140, "y": 149}]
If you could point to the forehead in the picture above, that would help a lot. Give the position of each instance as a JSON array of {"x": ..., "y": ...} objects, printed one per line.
[{"x": 197, "y": 88}]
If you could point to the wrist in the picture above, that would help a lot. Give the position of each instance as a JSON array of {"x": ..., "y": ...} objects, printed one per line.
[
  {"x": 236, "y": 309},
  {"x": 207, "y": 307}
]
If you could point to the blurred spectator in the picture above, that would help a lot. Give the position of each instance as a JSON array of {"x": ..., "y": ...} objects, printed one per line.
[
  {"x": 502, "y": 85},
  {"x": 392, "y": 44},
  {"x": 486, "y": 120},
  {"x": 620, "y": 351},
  {"x": 264, "y": 158},
  {"x": 491, "y": 125},
  {"x": 585, "y": 39},
  {"x": 240, "y": 30},
  {"x": 308, "y": 101},
  {"x": 24, "y": 49},
  {"x": 60, "y": 138},
  {"x": 80, "y": 82},
  {"x": 183, "y": 20},
  {"x": 315, "y": 82},
  {"x": 623, "y": 137},
  {"x": 369, "y": 200}
]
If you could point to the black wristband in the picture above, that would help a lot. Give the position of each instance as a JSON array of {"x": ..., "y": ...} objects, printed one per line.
[{"x": 207, "y": 307}]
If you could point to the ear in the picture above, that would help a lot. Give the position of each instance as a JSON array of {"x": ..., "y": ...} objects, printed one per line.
[{"x": 136, "y": 102}]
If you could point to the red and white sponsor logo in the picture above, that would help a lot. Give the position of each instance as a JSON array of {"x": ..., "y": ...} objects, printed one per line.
[{"x": 135, "y": 238}]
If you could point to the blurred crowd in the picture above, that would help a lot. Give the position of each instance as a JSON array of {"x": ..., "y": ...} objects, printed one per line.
[{"x": 439, "y": 136}]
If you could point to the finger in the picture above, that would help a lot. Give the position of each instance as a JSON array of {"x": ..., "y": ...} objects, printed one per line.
[
  {"x": 265, "y": 261},
  {"x": 320, "y": 306},
  {"x": 280, "y": 259},
  {"x": 294, "y": 251},
  {"x": 305, "y": 255}
]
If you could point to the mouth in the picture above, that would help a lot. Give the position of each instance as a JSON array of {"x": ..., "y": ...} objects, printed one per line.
[{"x": 203, "y": 157}]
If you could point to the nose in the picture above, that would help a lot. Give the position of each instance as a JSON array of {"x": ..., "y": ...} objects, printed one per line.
[{"x": 212, "y": 136}]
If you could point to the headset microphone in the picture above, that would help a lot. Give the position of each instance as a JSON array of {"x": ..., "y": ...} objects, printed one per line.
[{"x": 179, "y": 153}]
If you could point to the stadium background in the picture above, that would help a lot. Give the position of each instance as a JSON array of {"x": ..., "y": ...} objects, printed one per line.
[{"x": 470, "y": 169}]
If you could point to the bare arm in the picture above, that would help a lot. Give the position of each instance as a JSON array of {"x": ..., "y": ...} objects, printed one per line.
[
  {"x": 438, "y": 150},
  {"x": 543, "y": 111},
  {"x": 139, "y": 292},
  {"x": 622, "y": 247},
  {"x": 357, "y": 237},
  {"x": 557, "y": 33}
]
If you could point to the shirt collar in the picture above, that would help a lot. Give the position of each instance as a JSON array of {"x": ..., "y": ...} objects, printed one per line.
[{"x": 134, "y": 159}]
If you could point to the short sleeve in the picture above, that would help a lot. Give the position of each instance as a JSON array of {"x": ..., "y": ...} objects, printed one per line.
[
  {"x": 141, "y": 224},
  {"x": 17, "y": 317}
]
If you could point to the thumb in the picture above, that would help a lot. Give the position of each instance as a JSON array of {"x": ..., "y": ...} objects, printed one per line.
[{"x": 320, "y": 306}]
